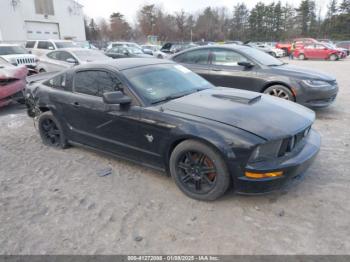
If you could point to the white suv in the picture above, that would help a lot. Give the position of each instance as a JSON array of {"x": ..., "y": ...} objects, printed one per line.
[
  {"x": 18, "y": 55},
  {"x": 42, "y": 47}
]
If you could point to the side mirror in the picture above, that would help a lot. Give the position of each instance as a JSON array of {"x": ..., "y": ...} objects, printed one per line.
[
  {"x": 72, "y": 61},
  {"x": 116, "y": 98},
  {"x": 246, "y": 64},
  {"x": 51, "y": 48},
  {"x": 126, "y": 52}
]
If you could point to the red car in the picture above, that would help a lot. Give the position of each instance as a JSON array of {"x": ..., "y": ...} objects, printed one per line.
[
  {"x": 317, "y": 51},
  {"x": 12, "y": 82}
]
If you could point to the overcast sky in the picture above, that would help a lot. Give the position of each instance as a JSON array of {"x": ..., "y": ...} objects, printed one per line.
[{"x": 103, "y": 8}]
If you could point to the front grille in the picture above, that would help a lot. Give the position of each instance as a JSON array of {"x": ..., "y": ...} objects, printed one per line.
[
  {"x": 24, "y": 61},
  {"x": 291, "y": 143}
]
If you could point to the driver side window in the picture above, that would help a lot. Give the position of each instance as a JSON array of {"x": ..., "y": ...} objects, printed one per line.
[
  {"x": 95, "y": 82},
  {"x": 227, "y": 57}
]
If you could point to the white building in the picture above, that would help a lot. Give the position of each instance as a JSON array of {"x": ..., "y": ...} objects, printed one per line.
[{"x": 41, "y": 19}]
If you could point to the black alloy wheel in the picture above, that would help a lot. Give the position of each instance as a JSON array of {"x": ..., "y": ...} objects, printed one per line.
[
  {"x": 50, "y": 131},
  {"x": 199, "y": 170}
]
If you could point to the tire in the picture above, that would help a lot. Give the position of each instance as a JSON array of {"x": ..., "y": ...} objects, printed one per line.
[
  {"x": 42, "y": 70},
  {"x": 280, "y": 91},
  {"x": 190, "y": 164},
  {"x": 302, "y": 57},
  {"x": 333, "y": 57},
  {"x": 51, "y": 132}
]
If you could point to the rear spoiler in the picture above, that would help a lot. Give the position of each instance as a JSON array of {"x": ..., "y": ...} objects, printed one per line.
[{"x": 40, "y": 77}]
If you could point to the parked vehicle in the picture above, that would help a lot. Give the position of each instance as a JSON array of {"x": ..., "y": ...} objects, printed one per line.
[
  {"x": 247, "y": 68},
  {"x": 345, "y": 45},
  {"x": 69, "y": 57},
  {"x": 299, "y": 43},
  {"x": 85, "y": 44},
  {"x": 18, "y": 56},
  {"x": 162, "y": 115},
  {"x": 123, "y": 44},
  {"x": 12, "y": 82},
  {"x": 273, "y": 51},
  {"x": 172, "y": 48},
  {"x": 286, "y": 46},
  {"x": 124, "y": 52},
  {"x": 42, "y": 47},
  {"x": 150, "y": 49},
  {"x": 318, "y": 51}
]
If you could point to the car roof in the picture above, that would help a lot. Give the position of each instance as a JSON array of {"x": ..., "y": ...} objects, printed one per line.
[
  {"x": 72, "y": 49},
  {"x": 127, "y": 63}
]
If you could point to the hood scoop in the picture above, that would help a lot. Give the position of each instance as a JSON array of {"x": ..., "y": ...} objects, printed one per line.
[{"x": 247, "y": 99}]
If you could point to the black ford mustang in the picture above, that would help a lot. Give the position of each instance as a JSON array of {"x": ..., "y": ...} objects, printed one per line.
[{"x": 160, "y": 114}]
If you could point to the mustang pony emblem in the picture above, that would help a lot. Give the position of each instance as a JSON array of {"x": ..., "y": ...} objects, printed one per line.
[{"x": 149, "y": 138}]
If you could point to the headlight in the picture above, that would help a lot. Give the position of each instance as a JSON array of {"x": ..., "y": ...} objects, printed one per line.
[
  {"x": 315, "y": 83},
  {"x": 265, "y": 152}
]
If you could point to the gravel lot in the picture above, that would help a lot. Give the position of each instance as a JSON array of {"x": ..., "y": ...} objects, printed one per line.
[{"x": 53, "y": 201}]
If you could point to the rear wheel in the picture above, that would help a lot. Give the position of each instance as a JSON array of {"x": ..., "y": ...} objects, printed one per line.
[
  {"x": 280, "y": 91},
  {"x": 333, "y": 57},
  {"x": 199, "y": 171},
  {"x": 301, "y": 57},
  {"x": 50, "y": 131}
]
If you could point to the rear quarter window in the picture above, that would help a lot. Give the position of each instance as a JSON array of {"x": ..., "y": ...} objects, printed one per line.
[{"x": 58, "y": 82}]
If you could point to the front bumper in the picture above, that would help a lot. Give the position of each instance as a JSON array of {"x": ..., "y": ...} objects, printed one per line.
[
  {"x": 317, "y": 97},
  {"x": 291, "y": 167}
]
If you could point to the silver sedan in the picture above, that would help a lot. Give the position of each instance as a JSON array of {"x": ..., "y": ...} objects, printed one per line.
[{"x": 69, "y": 57}]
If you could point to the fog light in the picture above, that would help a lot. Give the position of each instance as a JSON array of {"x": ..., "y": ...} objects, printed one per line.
[{"x": 263, "y": 175}]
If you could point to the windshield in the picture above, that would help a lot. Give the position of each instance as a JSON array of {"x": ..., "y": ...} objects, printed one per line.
[
  {"x": 89, "y": 55},
  {"x": 12, "y": 50},
  {"x": 262, "y": 57},
  {"x": 158, "y": 83},
  {"x": 64, "y": 44}
]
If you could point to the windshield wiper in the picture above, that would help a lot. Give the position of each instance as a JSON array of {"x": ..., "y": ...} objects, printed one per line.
[{"x": 175, "y": 96}]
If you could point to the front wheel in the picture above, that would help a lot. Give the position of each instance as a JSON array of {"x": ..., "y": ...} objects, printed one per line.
[
  {"x": 333, "y": 57},
  {"x": 199, "y": 171},
  {"x": 301, "y": 57},
  {"x": 280, "y": 91}
]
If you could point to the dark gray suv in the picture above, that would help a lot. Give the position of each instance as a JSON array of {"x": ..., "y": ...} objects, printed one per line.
[{"x": 243, "y": 67}]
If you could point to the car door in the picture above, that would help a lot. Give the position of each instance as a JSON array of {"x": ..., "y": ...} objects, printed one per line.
[
  {"x": 225, "y": 71},
  {"x": 196, "y": 60},
  {"x": 96, "y": 124},
  {"x": 321, "y": 51}
]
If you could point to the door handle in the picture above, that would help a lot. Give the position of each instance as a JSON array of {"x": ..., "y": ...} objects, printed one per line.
[
  {"x": 216, "y": 69},
  {"x": 76, "y": 104}
]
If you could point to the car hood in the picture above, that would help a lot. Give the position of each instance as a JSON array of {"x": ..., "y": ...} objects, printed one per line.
[
  {"x": 18, "y": 72},
  {"x": 265, "y": 116},
  {"x": 301, "y": 73}
]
